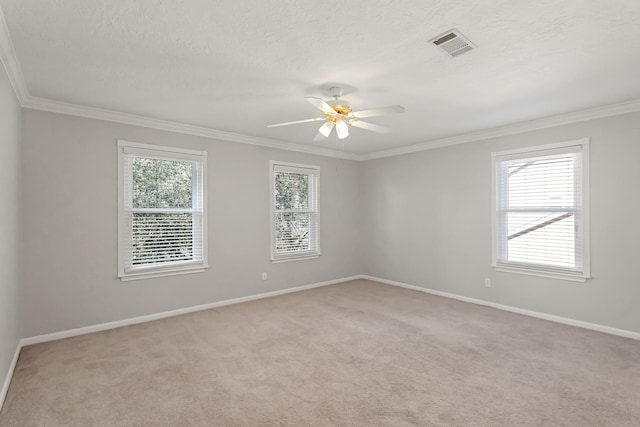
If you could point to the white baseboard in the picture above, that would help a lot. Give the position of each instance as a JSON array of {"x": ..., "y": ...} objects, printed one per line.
[
  {"x": 550, "y": 317},
  {"x": 141, "y": 319},
  {"x": 7, "y": 380}
]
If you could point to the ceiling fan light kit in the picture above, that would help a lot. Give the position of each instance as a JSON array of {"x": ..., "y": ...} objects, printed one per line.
[
  {"x": 338, "y": 114},
  {"x": 342, "y": 129}
]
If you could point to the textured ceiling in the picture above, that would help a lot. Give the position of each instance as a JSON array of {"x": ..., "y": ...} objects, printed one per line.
[{"x": 237, "y": 66}]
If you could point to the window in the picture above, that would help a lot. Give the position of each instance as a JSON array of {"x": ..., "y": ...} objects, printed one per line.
[
  {"x": 161, "y": 211},
  {"x": 294, "y": 211},
  {"x": 540, "y": 210}
]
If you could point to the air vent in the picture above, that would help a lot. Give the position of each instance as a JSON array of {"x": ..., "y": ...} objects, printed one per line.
[{"x": 452, "y": 43}]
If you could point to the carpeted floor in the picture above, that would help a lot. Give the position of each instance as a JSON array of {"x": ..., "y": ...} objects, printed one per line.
[{"x": 353, "y": 354}]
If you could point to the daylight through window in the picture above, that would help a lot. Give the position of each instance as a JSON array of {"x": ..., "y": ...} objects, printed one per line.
[
  {"x": 162, "y": 217},
  {"x": 539, "y": 210},
  {"x": 294, "y": 211}
]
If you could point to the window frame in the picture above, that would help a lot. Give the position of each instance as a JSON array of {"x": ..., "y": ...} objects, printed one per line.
[
  {"x": 126, "y": 148},
  {"x": 299, "y": 255},
  {"x": 582, "y": 218}
]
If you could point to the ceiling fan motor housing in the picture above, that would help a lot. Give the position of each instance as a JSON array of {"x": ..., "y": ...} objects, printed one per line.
[{"x": 341, "y": 107}]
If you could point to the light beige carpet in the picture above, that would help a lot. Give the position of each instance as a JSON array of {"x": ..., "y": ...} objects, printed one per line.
[{"x": 353, "y": 354}]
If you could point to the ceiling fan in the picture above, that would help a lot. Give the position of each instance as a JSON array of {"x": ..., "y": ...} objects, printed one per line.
[{"x": 338, "y": 114}]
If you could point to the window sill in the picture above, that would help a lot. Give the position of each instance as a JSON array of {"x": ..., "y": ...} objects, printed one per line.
[
  {"x": 161, "y": 273},
  {"x": 294, "y": 258},
  {"x": 541, "y": 273}
]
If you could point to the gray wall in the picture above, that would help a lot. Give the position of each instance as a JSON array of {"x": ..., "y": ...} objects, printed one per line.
[
  {"x": 428, "y": 224},
  {"x": 9, "y": 222},
  {"x": 70, "y": 225},
  {"x": 421, "y": 219}
]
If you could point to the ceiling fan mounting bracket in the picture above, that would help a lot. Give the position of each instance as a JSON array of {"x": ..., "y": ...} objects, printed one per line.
[{"x": 336, "y": 92}]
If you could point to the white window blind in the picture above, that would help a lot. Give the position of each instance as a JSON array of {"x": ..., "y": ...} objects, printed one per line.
[
  {"x": 162, "y": 217},
  {"x": 539, "y": 212},
  {"x": 294, "y": 211}
]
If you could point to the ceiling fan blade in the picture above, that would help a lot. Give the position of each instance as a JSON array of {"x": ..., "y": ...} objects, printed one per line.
[
  {"x": 321, "y": 105},
  {"x": 326, "y": 128},
  {"x": 342, "y": 129},
  {"x": 383, "y": 111},
  {"x": 370, "y": 126},
  {"x": 296, "y": 122},
  {"x": 319, "y": 137}
]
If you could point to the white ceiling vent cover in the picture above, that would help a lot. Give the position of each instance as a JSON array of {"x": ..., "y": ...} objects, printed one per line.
[{"x": 453, "y": 43}]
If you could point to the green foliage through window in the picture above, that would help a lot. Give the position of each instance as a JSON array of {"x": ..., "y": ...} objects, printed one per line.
[
  {"x": 159, "y": 183},
  {"x": 160, "y": 237},
  {"x": 295, "y": 212},
  {"x": 292, "y": 191},
  {"x": 162, "y": 216}
]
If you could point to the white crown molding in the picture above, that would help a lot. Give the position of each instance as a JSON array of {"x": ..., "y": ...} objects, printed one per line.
[
  {"x": 16, "y": 78},
  {"x": 546, "y": 122},
  {"x": 52, "y": 106},
  {"x": 130, "y": 119},
  {"x": 10, "y": 62},
  {"x": 9, "y": 59}
]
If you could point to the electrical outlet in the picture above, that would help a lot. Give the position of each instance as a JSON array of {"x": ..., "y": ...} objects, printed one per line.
[
  {"x": 487, "y": 282},
  {"x": 264, "y": 275}
]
